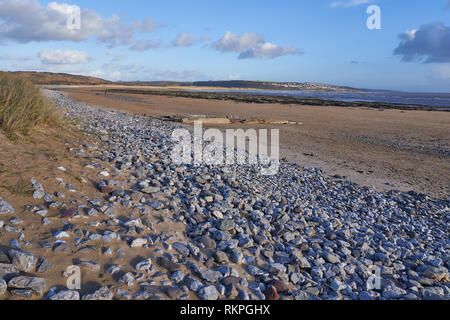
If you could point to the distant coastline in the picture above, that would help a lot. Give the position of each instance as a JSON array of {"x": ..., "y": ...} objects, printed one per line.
[
  {"x": 300, "y": 93},
  {"x": 270, "y": 98}
]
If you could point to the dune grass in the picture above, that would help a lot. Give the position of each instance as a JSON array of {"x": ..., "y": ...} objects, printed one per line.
[{"x": 22, "y": 106}]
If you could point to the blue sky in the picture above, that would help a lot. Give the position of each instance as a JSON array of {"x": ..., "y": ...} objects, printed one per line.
[{"x": 323, "y": 41}]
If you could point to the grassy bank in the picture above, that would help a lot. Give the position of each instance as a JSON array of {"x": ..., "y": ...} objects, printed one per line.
[{"x": 22, "y": 106}]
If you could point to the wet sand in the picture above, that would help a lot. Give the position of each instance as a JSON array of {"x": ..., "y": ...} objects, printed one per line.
[{"x": 378, "y": 148}]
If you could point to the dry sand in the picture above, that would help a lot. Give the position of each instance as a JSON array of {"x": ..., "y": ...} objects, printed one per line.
[{"x": 381, "y": 149}]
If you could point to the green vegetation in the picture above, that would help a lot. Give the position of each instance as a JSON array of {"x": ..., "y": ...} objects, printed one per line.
[
  {"x": 21, "y": 187},
  {"x": 22, "y": 106}
]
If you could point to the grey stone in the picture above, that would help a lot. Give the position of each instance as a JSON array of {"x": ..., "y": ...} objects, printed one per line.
[
  {"x": 208, "y": 293},
  {"x": 438, "y": 274},
  {"x": 181, "y": 248},
  {"x": 23, "y": 293},
  {"x": 23, "y": 261},
  {"x": 66, "y": 295},
  {"x": 177, "y": 276},
  {"x": 43, "y": 265},
  {"x": 433, "y": 293},
  {"x": 331, "y": 258},
  {"x": 8, "y": 271},
  {"x": 174, "y": 293},
  {"x": 6, "y": 208},
  {"x": 102, "y": 294},
  {"x": 226, "y": 225},
  {"x": 3, "y": 287},
  {"x": 138, "y": 243},
  {"x": 208, "y": 242},
  {"x": 209, "y": 275},
  {"x": 128, "y": 279},
  {"x": 4, "y": 258},
  {"x": 37, "y": 285},
  {"x": 169, "y": 265},
  {"x": 150, "y": 190},
  {"x": 61, "y": 247},
  {"x": 144, "y": 265}
]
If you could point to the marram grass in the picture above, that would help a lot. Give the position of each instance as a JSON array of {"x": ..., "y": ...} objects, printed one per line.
[{"x": 22, "y": 106}]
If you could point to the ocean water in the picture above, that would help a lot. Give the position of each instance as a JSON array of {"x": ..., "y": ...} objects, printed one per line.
[{"x": 441, "y": 100}]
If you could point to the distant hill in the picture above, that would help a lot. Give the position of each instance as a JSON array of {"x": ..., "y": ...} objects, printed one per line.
[
  {"x": 241, "y": 84},
  {"x": 265, "y": 85},
  {"x": 47, "y": 78}
]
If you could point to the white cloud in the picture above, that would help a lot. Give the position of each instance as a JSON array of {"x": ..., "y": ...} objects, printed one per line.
[
  {"x": 234, "y": 43},
  {"x": 234, "y": 77},
  {"x": 145, "y": 45},
  {"x": 349, "y": 3},
  {"x": 63, "y": 57},
  {"x": 408, "y": 35},
  {"x": 97, "y": 73},
  {"x": 268, "y": 50},
  {"x": 112, "y": 76},
  {"x": 146, "y": 26},
  {"x": 27, "y": 20},
  {"x": 251, "y": 45},
  {"x": 184, "y": 40}
]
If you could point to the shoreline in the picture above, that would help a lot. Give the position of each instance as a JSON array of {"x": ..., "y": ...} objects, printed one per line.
[
  {"x": 276, "y": 99},
  {"x": 244, "y": 95}
]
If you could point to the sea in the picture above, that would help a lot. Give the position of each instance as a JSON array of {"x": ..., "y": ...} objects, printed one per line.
[{"x": 438, "y": 100}]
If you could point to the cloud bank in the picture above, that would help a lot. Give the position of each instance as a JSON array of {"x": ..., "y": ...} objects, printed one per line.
[
  {"x": 25, "y": 21},
  {"x": 429, "y": 44},
  {"x": 251, "y": 45},
  {"x": 349, "y": 3},
  {"x": 184, "y": 40},
  {"x": 63, "y": 57}
]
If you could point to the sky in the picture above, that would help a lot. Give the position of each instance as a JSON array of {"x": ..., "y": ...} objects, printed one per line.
[{"x": 324, "y": 41}]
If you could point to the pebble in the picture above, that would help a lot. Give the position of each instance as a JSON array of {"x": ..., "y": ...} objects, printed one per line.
[
  {"x": 181, "y": 248},
  {"x": 208, "y": 293},
  {"x": 6, "y": 208},
  {"x": 227, "y": 225},
  {"x": 102, "y": 294},
  {"x": 138, "y": 243},
  {"x": 144, "y": 265},
  {"x": 36, "y": 285},
  {"x": 177, "y": 276},
  {"x": 42, "y": 265},
  {"x": 3, "y": 287},
  {"x": 128, "y": 279},
  {"x": 174, "y": 293},
  {"x": 66, "y": 295},
  {"x": 23, "y": 261},
  {"x": 169, "y": 265}
]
